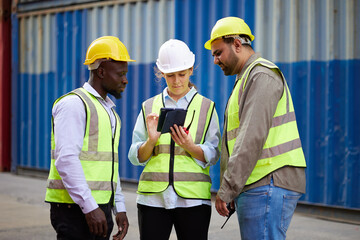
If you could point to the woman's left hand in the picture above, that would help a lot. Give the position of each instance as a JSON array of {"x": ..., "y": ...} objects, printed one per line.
[
  {"x": 185, "y": 141},
  {"x": 182, "y": 138}
]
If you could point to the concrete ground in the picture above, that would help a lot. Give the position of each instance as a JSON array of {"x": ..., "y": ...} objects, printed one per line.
[{"x": 25, "y": 215}]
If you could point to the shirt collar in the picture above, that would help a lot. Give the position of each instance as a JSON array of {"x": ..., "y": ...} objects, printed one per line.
[
  {"x": 188, "y": 96},
  {"x": 91, "y": 90},
  {"x": 251, "y": 59}
]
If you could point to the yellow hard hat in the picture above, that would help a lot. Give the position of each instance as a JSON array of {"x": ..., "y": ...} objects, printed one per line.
[
  {"x": 229, "y": 26},
  {"x": 107, "y": 47}
]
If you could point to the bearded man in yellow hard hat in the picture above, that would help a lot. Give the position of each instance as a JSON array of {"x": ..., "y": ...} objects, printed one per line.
[
  {"x": 262, "y": 161},
  {"x": 83, "y": 185}
]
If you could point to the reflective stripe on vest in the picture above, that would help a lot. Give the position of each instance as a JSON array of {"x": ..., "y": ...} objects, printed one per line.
[
  {"x": 189, "y": 179},
  {"x": 98, "y": 156},
  {"x": 283, "y": 145}
]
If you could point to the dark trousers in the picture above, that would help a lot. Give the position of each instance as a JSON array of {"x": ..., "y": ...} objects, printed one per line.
[
  {"x": 190, "y": 223},
  {"x": 70, "y": 224}
]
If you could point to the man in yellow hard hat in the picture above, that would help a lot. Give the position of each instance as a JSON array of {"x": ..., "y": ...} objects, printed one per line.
[
  {"x": 262, "y": 161},
  {"x": 83, "y": 185}
]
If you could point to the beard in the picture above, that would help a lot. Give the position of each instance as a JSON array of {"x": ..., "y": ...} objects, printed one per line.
[
  {"x": 115, "y": 94},
  {"x": 227, "y": 71},
  {"x": 231, "y": 63}
]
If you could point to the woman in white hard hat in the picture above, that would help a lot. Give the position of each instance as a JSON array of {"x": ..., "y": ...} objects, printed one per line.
[{"x": 174, "y": 187}]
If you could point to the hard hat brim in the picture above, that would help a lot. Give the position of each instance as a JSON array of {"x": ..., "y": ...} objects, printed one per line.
[
  {"x": 93, "y": 60},
  {"x": 207, "y": 45},
  {"x": 174, "y": 69}
]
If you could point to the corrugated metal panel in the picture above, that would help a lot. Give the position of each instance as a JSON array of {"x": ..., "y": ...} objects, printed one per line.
[
  {"x": 5, "y": 66},
  {"x": 31, "y": 5},
  {"x": 293, "y": 31},
  {"x": 316, "y": 45},
  {"x": 49, "y": 51}
]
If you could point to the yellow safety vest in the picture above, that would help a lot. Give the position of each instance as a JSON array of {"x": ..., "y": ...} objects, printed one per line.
[
  {"x": 171, "y": 164},
  {"x": 98, "y": 157},
  {"x": 283, "y": 145}
]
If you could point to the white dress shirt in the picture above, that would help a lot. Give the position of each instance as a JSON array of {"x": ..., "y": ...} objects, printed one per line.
[
  {"x": 169, "y": 199},
  {"x": 69, "y": 130}
]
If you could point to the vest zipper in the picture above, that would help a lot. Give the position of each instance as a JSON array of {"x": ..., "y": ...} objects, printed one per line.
[
  {"x": 172, "y": 153},
  {"x": 112, "y": 154},
  {"x": 113, "y": 158},
  {"x": 172, "y": 159},
  {"x": 225, "y": 117},
  {"x": 112, "y": 173}
]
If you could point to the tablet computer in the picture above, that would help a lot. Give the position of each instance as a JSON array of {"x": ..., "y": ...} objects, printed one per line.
[{"x": 170, "y": 116}]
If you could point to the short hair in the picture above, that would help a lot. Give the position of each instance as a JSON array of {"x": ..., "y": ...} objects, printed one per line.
[{"x": 244, "y": 39}]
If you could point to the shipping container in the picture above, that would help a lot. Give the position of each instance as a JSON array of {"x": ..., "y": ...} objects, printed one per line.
[
  {"x": 5, "y": 84},
  {"x": 49, "y": 51},
  {"x": 316, "y": 43}
]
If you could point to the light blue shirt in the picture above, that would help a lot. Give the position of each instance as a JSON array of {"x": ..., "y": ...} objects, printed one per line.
[{"x": 169, "y": 199}]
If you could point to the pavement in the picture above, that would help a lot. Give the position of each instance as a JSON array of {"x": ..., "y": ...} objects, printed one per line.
[{"x": 25, "y": 215}]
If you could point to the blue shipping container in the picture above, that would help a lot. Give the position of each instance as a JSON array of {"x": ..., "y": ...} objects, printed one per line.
[{"x": 315, "y": 44}]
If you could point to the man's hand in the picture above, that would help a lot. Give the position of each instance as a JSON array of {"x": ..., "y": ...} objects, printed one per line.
[
  {"x": 123, "y": 226},
  {"x": 220, "y": 206},
  {"x": 97, "y": 223}
]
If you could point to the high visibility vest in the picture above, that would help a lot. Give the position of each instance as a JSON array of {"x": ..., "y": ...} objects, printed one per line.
[
  {"x": 171, "y": 164},
  {"x": 283, "y": 145},
  {"x": 98, "y": 157}
]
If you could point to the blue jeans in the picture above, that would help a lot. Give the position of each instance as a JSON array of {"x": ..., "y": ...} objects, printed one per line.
[{"x": 265, "y": 212}]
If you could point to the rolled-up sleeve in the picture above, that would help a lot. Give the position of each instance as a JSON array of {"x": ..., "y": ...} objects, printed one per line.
[{"x": 211, "y": 146}]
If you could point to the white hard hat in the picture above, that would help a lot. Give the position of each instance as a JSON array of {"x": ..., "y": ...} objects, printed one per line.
[{"x": 174, "y": 56}]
